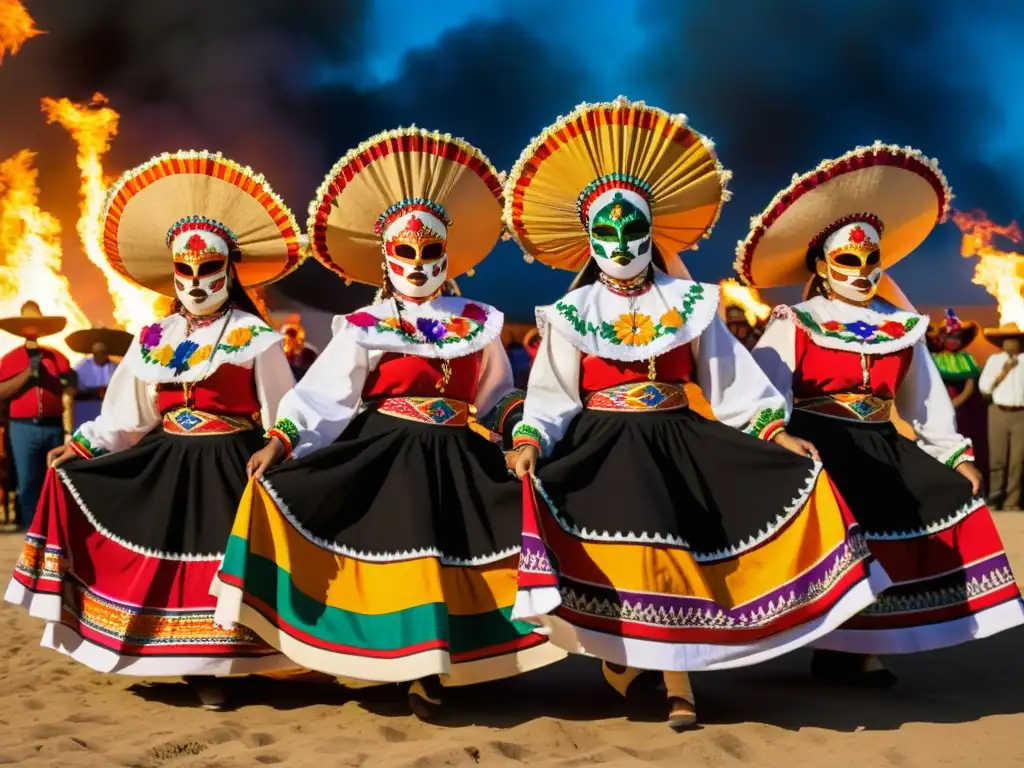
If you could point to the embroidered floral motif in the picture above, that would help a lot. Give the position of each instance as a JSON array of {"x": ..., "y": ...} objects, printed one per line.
[
  {"x": 858, "y": 331},
  {"x": 428, "y": 330},
  {"x": 634, "y": 329},
  {"x": 524, "y": 434},
  {"x": 85, "y": 448},
  {"x": 187, "y": 354},
  {"x": 767, "y": 423}
]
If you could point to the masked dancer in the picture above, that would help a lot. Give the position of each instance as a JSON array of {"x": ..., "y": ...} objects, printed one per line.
[
  {"x": 659, "y": 540},
  {"x": 133, "y": 521},
  {"x": 844, "y": 357},
  {"x": 386, "y": 548}
]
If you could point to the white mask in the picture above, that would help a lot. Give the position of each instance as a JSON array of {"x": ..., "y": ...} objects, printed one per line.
[
  {"x": 619, "y": 223},
  {"x": 201, "y": 263},
  {"x": 852, "y": 267},
  {"x": 415, "y": 254}
]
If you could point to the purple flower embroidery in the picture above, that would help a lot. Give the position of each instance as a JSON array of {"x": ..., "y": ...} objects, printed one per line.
[
  {"x": 151, "y": 335},
  {"x": 432, "y": 330}
]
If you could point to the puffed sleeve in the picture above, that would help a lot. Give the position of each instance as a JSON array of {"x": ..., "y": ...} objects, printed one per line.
[
  {"x": 317, "y": 409},
  {"x": 775, "y": 354},
  {"x": 552, "y": 394},
  {"x": 274, "y": 379},
  {"x": 498, "y": 401},
  {"x": 922, "y": 399},
  {"x": 127, "y": 415},
  {"x": 738, "y": 391}
]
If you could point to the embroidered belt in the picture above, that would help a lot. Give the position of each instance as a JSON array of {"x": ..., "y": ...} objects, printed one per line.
[
  {"x": 438, "y": 411},
  {"x": 848, "y": 405},
  {"x": 639, "y": 396},
  {"x": 185, "y": 421}
]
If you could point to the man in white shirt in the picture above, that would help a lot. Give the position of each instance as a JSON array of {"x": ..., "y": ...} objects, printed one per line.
[{"x": 1002, "y": 385}]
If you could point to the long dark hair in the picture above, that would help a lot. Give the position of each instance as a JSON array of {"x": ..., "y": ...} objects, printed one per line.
[
  {"x": 591, "y": 272},
  {"x": 817, "y": 285},
  {"x": 237, "y": 296}
]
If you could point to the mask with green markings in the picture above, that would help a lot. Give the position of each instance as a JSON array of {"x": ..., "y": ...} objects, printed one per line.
[{"x": 620, "y": 233}]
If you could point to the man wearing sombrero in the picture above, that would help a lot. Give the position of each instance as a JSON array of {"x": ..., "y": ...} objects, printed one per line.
[
  {"x": 33, "y": 382},
  {"x": 96, "y": 369},
  {"x": 136, "y": 514},
  {"x": 654, "y": 538},
  {"x": 392, "y": 533},
  {"x": 1002, "y": 384},
  {"x": 848, "y": 354}
]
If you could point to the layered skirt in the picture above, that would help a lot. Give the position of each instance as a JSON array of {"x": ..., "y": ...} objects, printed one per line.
[
  {"x": 665, "y": 541},
  {"x": 388, "y": 556},
  {"x": 951, "y": 578},
  {"x": 122, "y": 551}
]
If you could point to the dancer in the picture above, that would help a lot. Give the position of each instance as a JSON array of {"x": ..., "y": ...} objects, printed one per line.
[
  {"x": 128, "y": 534},
  {"x": 660, "y": 540},
  {"x": 36, "y": 383},
  {"x": 386, "y": 548},
  {"x": 844, "y": 357},
  {"x": 1002, "y": 384}
]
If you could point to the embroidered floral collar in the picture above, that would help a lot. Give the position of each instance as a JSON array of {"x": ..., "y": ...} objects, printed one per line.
[
  {"x": 879, "y": 329},
  {"x": 164, "y": 352},
  {"x": 598, "y": 321},
  {"x": 447, "y": 327}
]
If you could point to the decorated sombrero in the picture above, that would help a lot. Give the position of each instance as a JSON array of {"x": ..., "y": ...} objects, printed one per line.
[
  {"x": 396, "y": 172},
  {"x": 32, "y": 323},
  {"x": 116, "y": 341},
  {"x": 900, "y": 190},
  {"x": 201, "y": 192},
  {"x": 951, "y": 325},
  {"x": 1006, "y": 331},
  {"x": 615, "y": 145}
]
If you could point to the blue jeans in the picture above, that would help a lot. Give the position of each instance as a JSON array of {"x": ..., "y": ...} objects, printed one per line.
[{"x": 29, "y": 445}]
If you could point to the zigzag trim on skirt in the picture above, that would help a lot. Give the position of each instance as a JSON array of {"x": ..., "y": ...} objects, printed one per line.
[
  {"x": 123, "y": 542},
  {"x": 932, "y": 528},
  {"x": 381, "y": 557},
  {"x": 762, "y": 536}
]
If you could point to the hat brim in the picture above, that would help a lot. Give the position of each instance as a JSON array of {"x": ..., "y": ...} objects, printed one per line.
[
  {"x": 996, "y": 335},
  {"x": 899, "y": 185},
  {"x": 147, "y": 201},
  {"x": 392, "y": 167},
  {"x": 597, "y": 140},
  {"x": 33, "y": 327},
  {"x": 116, "y": 341}
]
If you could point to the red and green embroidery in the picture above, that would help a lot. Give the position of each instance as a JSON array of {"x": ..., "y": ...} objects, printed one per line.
[
  {"x": 634, "y": 329},
  {"x": 287, "y": 432},
  {"x": 857, "y": 332},
  {"x": 524, "y": 434},
  {"x": 80, "y": 444},
  {"x": 428, "y": 330},
  {"x": 960, "y": 456},
  {"x": 766, "y": 424}
]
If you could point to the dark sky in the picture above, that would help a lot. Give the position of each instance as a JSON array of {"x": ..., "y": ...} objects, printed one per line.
[{"x": 289, "y": 87}]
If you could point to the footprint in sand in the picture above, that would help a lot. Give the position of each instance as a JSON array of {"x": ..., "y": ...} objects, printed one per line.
[{"x": 254, "y": 740}]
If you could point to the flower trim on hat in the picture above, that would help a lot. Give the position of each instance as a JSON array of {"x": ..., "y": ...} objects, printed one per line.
[
  {"x": 549, "y": 141},
  {"x": 861, "y": 157}
]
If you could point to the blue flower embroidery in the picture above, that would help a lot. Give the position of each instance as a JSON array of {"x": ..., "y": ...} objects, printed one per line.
[
  {"x": 182, "y": 353},
  {"x": 861, "y": 329},
  {"x": 432, "y": 330}
]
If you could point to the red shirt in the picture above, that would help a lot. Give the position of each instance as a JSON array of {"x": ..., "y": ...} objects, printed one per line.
[{"x": 42, "y": 401}]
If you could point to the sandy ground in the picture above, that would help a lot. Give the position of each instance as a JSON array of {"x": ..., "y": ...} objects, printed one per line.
[{"x": 960, "y": 707}]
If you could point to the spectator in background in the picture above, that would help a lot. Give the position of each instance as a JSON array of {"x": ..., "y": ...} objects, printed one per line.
[
  {"x": 1002, "y": 384},
  {"x": 300, "y": 356},
  {"x": 96, "y": 369},
  {"x": 33, "y": 382}
]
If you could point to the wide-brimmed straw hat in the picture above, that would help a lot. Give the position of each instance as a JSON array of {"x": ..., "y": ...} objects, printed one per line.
[
  {"x": 1007, "y": 331},
  {"x": 394, "y": 172},
  {"x": 615, "y": 145},
  {"x": 203, "y": 192},
  {"x": 115, "y": 340},
  {"x": 32, "y": 323},
  {"x": 901, "y": 189}
]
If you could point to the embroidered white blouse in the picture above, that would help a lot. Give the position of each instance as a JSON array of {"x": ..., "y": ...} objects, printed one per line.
[
  {"x": 592, "y": 320},
  {"x": 163, "y": 353},
  {"x": 319, "y": 408},
  {"x": 921, "y": 397}
]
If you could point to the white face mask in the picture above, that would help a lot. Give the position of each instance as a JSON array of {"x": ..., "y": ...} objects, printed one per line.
[
  {"x": 415, "y": 255},
  {"x": 201, "y": 262},
  {"x": 852, "y": 267},
  {"x": 619, "y": 222}
]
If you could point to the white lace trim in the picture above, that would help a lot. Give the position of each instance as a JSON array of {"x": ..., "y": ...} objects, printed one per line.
[
  {"x": 932, "y": 528},
  {"x": 820, "y": 310}
]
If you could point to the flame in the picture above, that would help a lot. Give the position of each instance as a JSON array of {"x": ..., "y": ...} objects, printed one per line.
[
  {"x": 747, "y": 299},
  {"x": 1000, "y": 272},
  {"x": 16, "y": 26},
  {"x": 92, "y": 125},
  {"x": 30, "y": 255}
]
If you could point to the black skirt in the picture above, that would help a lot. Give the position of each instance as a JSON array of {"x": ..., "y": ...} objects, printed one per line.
[
  {"x": 390, "y": 485},
  {"x": 168, "y": 494}
]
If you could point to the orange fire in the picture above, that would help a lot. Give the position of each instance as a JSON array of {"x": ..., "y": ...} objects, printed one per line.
[
  {"x": 16, "y": 26},
  {"x": 92, "y": 125},
  {"x": 1000, "y": 272},
  {"x": 30, "y": 254},
  {"x": 747, "y": 299}
]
